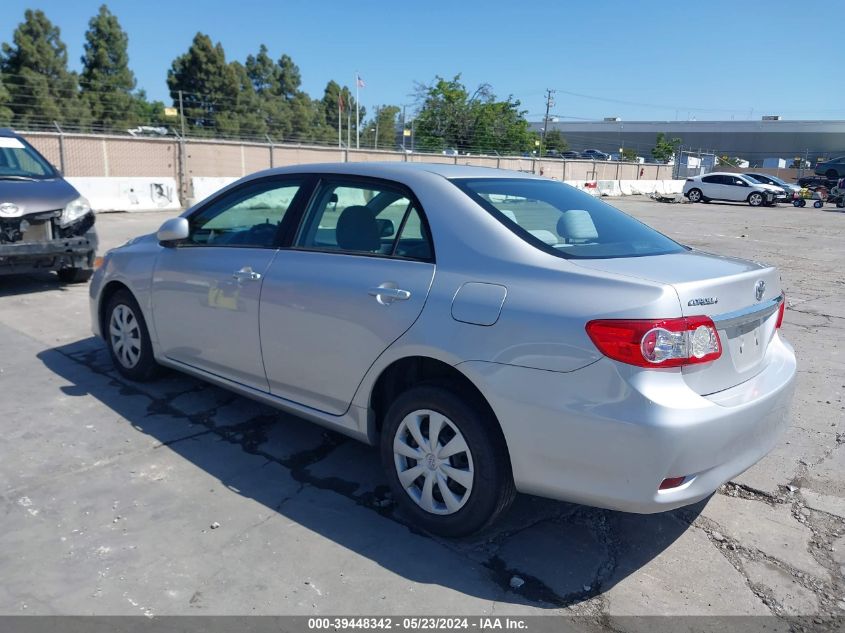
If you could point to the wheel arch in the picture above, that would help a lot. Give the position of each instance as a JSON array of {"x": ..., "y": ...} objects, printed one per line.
[
  {"x": 409, "y": 371},
  {"x": 108, "y": 291}
]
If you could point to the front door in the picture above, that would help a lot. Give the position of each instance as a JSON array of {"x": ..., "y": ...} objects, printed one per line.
[
  {"x": 354, "y": 281},
  {"x": 206, "y": 290}
]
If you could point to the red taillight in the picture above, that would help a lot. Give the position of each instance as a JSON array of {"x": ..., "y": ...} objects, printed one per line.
[
  {"x": 657, "y": 343},
  {"x": 781, "y": 312}
]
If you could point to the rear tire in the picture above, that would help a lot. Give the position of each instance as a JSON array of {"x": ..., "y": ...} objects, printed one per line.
[
  {"x": 464, "y": 481},
  {"x": 755, "y": 199},
  {"x": 74, "y": 275},
  {"x": 128, "y": 338},
  {"x": 694, "y": 195}
]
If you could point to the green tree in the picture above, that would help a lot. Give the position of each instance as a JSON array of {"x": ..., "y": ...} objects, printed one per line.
[
  {"x": 629, "y": 154},
  {"x": 148, "y": 112},
  {"x": 331, "y": 96},
  {"x": 665, "y": 148},
  {"x": 555, "y": 140},
  {"x": 41, "y": 88},
  {"x": 380, "y": 131},
  {"x": 251, "y": 121},
  {"x": 450, "y": 117},
  {"x": 5, "y": 111},
  {"x": 209, "y": 86},
  {"x": 263, "y": 73},
  {"x": 107, "y": 82}
]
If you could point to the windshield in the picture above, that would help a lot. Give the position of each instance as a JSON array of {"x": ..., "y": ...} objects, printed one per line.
[
  {"x": 561, "y": 220},
  {"x": 20, "y": 160}
]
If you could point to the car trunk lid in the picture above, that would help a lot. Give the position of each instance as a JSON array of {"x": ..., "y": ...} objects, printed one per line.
[{"x": 741, "y": 297}]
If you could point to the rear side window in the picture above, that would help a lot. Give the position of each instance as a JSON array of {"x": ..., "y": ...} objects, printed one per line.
[
  {"x": 563, "y": 221},
  {"x": 366, "y": 218}
]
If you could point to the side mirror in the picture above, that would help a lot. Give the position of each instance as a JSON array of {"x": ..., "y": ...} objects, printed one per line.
[
  {"x": 385, "y": 227},
  {"x": 173, "y": 230}
]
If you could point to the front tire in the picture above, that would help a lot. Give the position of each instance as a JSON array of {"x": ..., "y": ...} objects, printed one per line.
[
  {"x": 128, "y": 338},
  {"x": 446, "y": 461},
  {"x": 694, "y": 195},
  {"x": 755, "y": 199},
  {"x": 831, "y": 174}
]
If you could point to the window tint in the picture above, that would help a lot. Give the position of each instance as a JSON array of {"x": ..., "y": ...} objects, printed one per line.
[
  {"x": 564, "y": 221},
  {"x": 712, "y": 180},
  {"x": 371, "y": 219},
  {"x": 245, "y": 217}
]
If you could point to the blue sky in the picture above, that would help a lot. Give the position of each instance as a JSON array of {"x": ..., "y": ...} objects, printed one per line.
[{"x": 638, "y": 60}]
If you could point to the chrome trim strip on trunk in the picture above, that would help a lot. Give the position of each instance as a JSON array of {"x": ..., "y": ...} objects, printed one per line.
[{"x": 738, "y": 317}]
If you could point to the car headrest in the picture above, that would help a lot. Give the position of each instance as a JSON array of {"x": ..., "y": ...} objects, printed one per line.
[
  {"x": 576, "y": 224},
  {"x": 357, "y": 230}
]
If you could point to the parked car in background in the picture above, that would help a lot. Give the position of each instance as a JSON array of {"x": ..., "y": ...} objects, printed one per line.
[
  {"x": 594, "y": 154},
  {"x": 44, "y": 223},
  {"x": 570, "y": 154},
  {"x": 831, "y": 169},
  {"x": 731, "y": 188},
  {"x": 551, "y": 153},
  {"x": 789, "y": 188},
  {"x": 562, "y": 348}
]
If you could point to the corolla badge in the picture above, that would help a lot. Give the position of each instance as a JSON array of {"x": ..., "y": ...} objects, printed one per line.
[
  {"x": 703, "y": 301},
  {"x": 759, "y": 290}
]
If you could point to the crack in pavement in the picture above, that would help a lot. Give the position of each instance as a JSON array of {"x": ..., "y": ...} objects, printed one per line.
[{"x": 251, "y": 434}]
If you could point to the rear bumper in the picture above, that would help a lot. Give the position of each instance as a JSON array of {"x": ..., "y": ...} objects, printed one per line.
[
  {"x": 607, "y": 435},
  {"x": 27, "y": 257}
]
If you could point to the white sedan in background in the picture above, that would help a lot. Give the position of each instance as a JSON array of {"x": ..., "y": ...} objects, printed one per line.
[{"x": 731, "y": 188}]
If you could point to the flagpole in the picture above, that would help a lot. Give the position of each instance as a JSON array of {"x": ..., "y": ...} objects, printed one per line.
[
  {"x": 357, "y": 112},
  {"x": 340, "y": 122}
]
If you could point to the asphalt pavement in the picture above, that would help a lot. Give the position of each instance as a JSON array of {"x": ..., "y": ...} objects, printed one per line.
[{"x": 180, "y": 498}]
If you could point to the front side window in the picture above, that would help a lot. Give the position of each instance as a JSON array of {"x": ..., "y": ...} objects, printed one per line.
[
  {"x": 561, "y": 220},
  {"x": 372, "y": 219},
  {"x": 246, "y": 217},
  {"x": 20, "y": 160}
]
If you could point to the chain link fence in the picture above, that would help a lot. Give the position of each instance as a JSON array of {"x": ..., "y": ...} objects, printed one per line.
[{"x": 184, "y": 159}]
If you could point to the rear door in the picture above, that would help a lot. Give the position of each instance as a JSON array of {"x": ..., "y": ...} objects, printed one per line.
[
  {"x": 355, "y": 279},
  {"x": 736, "y": 189}
]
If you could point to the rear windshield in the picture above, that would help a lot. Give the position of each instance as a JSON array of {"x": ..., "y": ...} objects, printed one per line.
[
  {"x": 559, "y": 219},
  {"x": 19, "y": 160}
]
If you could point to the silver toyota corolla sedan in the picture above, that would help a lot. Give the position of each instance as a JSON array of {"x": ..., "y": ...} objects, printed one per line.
[{"x": 490, "y": 331}]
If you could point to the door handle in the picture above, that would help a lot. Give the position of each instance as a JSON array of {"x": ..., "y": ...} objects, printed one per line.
[
  {"x": 246, "y": 274},
  {"x": 386, "y": 294}
]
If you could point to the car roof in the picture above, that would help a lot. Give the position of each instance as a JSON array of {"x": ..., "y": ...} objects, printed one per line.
[
  {"x": 398, "y": 169},
  {"x": 5, "y": 131}
]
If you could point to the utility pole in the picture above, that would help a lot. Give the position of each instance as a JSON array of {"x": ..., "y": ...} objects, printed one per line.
[
  {"x": 376, "y": 141},
  {"x": 403, "y": 128},
  {"x": 549, "y": 103},
  {"x": 357, "y": 111},
  {"x": 183, "y": 184}
]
